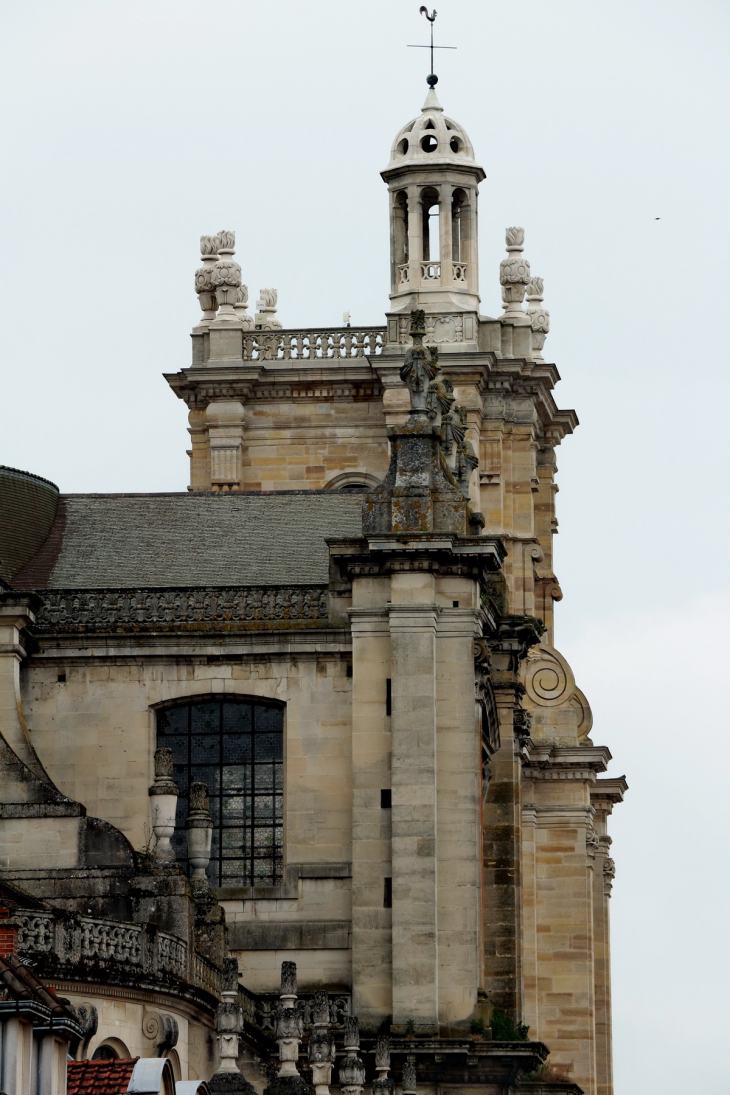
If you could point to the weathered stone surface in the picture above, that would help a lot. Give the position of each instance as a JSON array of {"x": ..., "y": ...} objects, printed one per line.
[{"x": 230, "y": 1083}]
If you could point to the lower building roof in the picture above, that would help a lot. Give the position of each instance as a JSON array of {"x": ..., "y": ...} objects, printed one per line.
[{"x": 107, "y": 541}]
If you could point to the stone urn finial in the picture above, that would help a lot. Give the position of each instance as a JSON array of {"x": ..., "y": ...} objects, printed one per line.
[
  {"x": 229, "y": 1018},
  {"x": 289, "y": 1022},
  {"x": 199, "y": 827},
  {"x": 321, "y": 1044},
  {"x": 203, "y": 284},
  {"x": 246, "y": 321},
  {"x": 409, "y": 1076},
  {"x": 352, "y": 1070},
  {"x": 266, "y": 310},
  {"x": 514, "y": 275},
  {"x": 539, "y": 317},
  {"x": 163, "y": 803},
  {"x": 382, "y": 1084},
  {"x": 226, "y": 279}
]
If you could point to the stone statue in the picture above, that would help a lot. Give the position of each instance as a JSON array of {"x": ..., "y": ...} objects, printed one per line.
[{"x": 420, "y": 364}]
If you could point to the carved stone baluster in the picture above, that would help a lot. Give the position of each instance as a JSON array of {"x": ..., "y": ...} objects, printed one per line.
[
  {"x": 163, "y": 802},
  {"x": 514, "y": 275},
  {"x": 539, "y": 317},
  {"x": 352, "y": 1070},
  {"x": 321, "y": 1044}
]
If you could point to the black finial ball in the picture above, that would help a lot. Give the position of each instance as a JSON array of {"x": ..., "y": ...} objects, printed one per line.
[{"x": 432, "y": 80}]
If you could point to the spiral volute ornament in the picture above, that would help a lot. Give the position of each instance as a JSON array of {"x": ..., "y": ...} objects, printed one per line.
[{"x": 549, "y": 680}]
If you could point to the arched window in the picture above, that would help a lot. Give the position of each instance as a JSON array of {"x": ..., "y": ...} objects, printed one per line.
[
  {"x": 400, "y": 227},
  {"x": 459, "y": 217},
  {"x": 236, "y": 747},
  {"x": 431, "y": 224}
]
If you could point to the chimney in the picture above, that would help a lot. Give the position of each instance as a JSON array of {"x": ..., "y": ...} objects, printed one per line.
[{"x": 8, "y": 935}]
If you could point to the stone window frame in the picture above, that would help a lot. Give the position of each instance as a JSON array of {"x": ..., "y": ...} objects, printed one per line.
[{"x": 274, "y": 876}]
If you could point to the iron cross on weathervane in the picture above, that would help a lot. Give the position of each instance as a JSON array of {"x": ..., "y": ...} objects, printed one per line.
[{"x": 431, "y": 80}]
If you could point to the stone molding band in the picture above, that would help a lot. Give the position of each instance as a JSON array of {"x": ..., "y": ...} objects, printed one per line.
[{"x": 191, "y": 609}]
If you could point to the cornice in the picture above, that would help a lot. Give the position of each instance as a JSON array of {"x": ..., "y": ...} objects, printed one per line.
[
  {"x": 609, "y": 792},
  {"x": 550, "y": 761}
]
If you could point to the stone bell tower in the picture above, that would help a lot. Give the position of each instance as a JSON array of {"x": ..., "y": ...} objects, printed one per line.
[{"x": 433, "y": 181}]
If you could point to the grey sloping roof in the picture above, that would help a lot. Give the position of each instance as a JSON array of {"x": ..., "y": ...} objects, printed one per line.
[
  {"x": 28, "y": 507},
  {"x": 112, "y": 541}
]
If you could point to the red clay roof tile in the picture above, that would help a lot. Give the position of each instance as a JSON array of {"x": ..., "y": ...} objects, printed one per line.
[{"x": 100, "y": 1077}]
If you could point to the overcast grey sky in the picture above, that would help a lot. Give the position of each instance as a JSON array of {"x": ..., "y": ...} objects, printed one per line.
[{"x": 132, "y": 127}]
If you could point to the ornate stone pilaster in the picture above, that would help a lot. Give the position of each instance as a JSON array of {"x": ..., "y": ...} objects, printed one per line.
[
  {"x": 502, "y": 819},
  {"x": 514, "y": 276},
  {"x": 321, "y": 1044},
  {"x": 163, "y": 802},
  {"x": 538, "y": 316},
  {"x": 352, "y": 1070}
]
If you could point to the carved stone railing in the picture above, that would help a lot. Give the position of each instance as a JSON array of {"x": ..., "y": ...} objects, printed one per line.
[
  {"x": 323, "y": 342},
  {"x": 206, "y": 975},
  {"x": 260, "y": 1010},
  {"x": 66, "y": 941},
  {"x": 459, "y": 271},
  {"x": 111, "y": 942},
  {"x": 178, "y": 609},
  {"x": 430, "y": 270},
  {"x": 404, "y": 275}
]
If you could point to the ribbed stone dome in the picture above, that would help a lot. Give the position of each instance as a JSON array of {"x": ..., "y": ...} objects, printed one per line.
[{"x": 431, "y": 138}]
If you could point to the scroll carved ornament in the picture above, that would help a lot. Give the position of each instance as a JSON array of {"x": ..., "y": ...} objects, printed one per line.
[{"x": 549, "y": 680}]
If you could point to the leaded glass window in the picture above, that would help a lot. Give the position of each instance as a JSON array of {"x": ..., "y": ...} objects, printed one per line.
[{"x": 236, "y": 747}]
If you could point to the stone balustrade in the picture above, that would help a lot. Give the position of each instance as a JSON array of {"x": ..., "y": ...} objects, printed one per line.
[
  {"x": 430, "y": 270},
  {"x": 61, "y": 941},
  {"x": 260, "y": 1011},
  {"x": 326, "y": 343},
  {"x": 70, "y": 610}
]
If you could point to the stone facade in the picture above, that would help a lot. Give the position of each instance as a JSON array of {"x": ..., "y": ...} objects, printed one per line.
[{"x": 360, "y": 581}]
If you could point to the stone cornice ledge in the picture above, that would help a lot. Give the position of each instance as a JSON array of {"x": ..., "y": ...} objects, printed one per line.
[{"x": 549, "y": 761}]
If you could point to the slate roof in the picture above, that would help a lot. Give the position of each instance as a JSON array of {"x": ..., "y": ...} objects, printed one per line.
[
  {"x": 111, "y": 541},
  {"x": 100, "y": 1077}
]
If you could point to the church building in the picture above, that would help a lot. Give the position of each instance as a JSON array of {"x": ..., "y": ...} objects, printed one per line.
[{"x": 310, "y": 710}]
